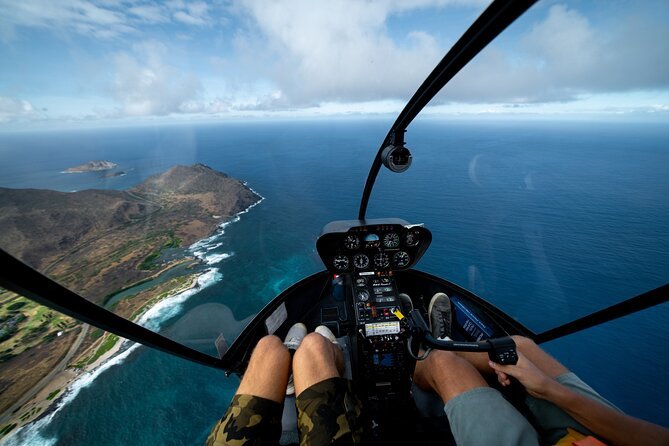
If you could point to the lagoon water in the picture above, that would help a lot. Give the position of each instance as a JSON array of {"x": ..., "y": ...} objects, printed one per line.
[{"x": 547, "y": 220}]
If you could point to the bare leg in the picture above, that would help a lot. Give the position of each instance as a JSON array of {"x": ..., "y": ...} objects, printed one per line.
[
  {"x": 544, "y": 362},
  {"x": 267, "y": 373},
  {"x": 476, "y": 413},
  {"x": 447, "y": 374},
  {"x": 316, "y": 360}
]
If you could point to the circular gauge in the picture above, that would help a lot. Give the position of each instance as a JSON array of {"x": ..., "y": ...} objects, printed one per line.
[
  {"x": 361, "y": 261},
  {"x": 360, "y": 282},
  {"x": 340, "y": 262},
  {"x": 412, "y": 238},
  {"x": 351, "y": 242},
  {"x": 381, "y": 260},
  {"x": 363, "y": 296},
  {"x": 391, "y": 240},
  {"x": 401, "y": 259}
]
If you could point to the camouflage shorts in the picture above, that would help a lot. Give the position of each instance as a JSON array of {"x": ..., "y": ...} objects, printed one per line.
[
  {"x": 327, "y": 413},
  {"x": 249, "y": 420}
]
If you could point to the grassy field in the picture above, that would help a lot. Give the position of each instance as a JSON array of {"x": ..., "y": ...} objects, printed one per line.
[{"x": 25, "y": 324}]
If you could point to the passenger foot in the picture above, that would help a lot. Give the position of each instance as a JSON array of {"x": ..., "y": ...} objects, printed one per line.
[
  {"x": 440, "y": 315},
  {"x": 327, "y": 334},
  {"x": 293, "y": 340}
]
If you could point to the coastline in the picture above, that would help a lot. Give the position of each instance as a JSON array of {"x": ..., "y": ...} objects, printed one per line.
[{"x": 65, "y": 386}]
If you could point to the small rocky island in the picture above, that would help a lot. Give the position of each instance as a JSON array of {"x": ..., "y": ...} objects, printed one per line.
[{"x": 91, "y": 166}]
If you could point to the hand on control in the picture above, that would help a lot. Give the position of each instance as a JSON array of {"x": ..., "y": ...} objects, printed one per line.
[{"x": 536, "y": 382}]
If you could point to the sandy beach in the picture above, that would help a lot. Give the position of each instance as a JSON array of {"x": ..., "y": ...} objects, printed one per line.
[
  {"x": 88, "y": 364},
  {"x": 46, "y": 399}
]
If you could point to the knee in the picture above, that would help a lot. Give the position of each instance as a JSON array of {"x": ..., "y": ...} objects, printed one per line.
[
  {"x": 435, "y": 362},
  {"x": 269, "y": 343},
  {"x": 314, "y": 347},
  {"x": 270, "y": 346},
  {"x": 313, "y": 343},
  {"x": 440, "y": 358}
]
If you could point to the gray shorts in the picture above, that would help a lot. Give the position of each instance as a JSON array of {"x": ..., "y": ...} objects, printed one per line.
[{"x": 482, "y": 416}]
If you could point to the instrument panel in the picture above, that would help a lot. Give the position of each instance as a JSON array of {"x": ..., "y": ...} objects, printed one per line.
[{"x": 372, "y": 245}]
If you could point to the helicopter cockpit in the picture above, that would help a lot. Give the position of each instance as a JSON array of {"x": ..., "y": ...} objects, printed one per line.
[
  {"x": 363, "y": 297},
  {"x": 368, "y": 291}
]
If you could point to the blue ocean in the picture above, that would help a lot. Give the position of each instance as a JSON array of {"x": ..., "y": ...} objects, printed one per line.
[{"x": 548, "y": 220}]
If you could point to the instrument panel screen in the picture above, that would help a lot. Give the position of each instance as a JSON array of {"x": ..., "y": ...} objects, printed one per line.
[{"x": 382, "y": 328}]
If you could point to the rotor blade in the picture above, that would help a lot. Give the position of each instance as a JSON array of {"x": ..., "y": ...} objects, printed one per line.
[
  {"x": 495, "y": 19},
  {"x": 18, "y": 277}
]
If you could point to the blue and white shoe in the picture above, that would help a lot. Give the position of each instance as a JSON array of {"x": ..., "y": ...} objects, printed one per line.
[{"x": 293, "y": 340}]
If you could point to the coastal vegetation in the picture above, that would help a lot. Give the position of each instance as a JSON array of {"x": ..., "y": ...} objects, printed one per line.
[
  {"x": 53, "y": 394},
  {"x": 101, "y": 244},
  {"x": 7, "y": 428},
  {"x": 108, "y": 343},
  {"x": 25, "y": 324}
]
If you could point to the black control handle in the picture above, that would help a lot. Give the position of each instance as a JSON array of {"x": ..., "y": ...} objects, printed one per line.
[
  {"x": 500, "y": 350},
  {"x": 503, "y": 351}
]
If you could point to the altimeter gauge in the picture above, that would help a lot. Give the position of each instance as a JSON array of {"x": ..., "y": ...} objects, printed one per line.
[
  {"x": 351, "y": 242},
  {"x": 361, "y": 261},
  {"x": 401, "y": 259},
  {"x": 381, "y": 260},
  {"x": 340, "y": 262},
  {"x": 391, "y": 240}
]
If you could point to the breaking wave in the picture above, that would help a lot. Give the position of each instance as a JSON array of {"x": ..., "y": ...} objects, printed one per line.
[{"x": 152, "y": 319}]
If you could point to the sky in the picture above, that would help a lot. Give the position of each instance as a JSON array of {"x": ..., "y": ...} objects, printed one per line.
[{"x": 110, "y": 61}]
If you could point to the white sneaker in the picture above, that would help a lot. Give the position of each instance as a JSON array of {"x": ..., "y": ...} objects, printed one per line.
[
  {"x": 326, "y": 333},
  {"x": 293, "y": 340},
  {"x": 295, "y": 335}
]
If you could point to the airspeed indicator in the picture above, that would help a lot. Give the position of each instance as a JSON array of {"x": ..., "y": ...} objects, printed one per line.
[{"x": 391, "y": 240}]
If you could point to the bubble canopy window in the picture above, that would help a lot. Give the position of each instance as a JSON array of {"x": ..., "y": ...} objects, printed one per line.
[{"x": 185, "y": 195}]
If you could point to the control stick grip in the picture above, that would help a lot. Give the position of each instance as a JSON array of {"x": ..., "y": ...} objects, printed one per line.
[{"x": 503, "y": 351}]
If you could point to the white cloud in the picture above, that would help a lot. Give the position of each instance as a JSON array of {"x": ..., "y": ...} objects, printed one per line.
[
  {"x": 74, "y": 15},
  {"x": 100, "y": 19},
  {"x": 12, "y": 109},
  {"x": 330, "y": 56},
  {"x": 149, "y": 13},
  {"x": 341, "y": 50},
  {"x": 196, "y": 13},
  {"x": 563, "y": 56},
  {"x": 145, "y": 84}
]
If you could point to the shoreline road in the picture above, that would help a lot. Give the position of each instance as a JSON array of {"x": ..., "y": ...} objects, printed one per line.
[{"x": 6, "y": 415}]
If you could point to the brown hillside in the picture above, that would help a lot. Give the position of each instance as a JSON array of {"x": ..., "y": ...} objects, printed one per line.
[{"x": 97, "y": 241}]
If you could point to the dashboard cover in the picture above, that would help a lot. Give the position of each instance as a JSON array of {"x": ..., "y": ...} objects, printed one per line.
[{"x": 378, "y": 245}]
